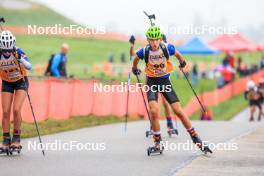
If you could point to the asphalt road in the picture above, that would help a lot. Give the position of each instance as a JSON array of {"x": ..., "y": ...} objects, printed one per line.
[{"x": 117, "y": 153}]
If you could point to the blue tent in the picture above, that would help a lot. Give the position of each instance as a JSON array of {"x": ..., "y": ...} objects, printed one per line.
[{"x": 196, "y": 46}]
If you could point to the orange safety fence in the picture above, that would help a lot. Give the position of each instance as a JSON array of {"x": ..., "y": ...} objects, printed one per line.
[{"x": 60, "y": 99}]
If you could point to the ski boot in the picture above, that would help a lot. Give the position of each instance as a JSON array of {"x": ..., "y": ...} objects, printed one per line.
[
  {"x": 158, "y": 146},
  {"x": 15, "y": 144},
  {"x": 4, "y": 148},
  {"x": 198, "y": 142},
  {"x": 170, "y": 128}
]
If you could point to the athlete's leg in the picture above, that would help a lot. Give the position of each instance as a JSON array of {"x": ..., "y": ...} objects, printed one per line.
[
  {"x": 252, "y": 112},
  {"x": 260, "y": 111},
  {"x": 167, "y": 108},
  {"x": 154, "y": 111},
  {"x": 176, "y": 107},
  {"x": 172, "y": 98},
  {"x": 153, "y": 107},
  {"x": 174, "y": 101},
  {"x": 168, "y": 113},
  {"x": 19, "y": 98},
  {"x": 7, "y": 98}
]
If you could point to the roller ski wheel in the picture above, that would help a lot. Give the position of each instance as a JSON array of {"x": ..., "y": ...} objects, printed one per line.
[
  {"x": 172, "y": 131},
  {"x": 198, "y": 142},
  {"x": 149, "y": 133},
  {"x": 4, "y": 150},
  {"x": 15, "y": 145},
  {"x": 15, "y": 149},
  {"x": 157, "y": 149}
]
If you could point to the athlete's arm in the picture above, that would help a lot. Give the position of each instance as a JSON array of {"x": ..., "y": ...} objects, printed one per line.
[
  {"x": 179, "y": 56},
  {"x": 172, "y": 51},
  {"x": 135, "y": 62},
  {"x": 23, "y": 59},
  {"x": 132, "y": 50},
  {"x": 139, "y": 55},
  {"x": 55, "y": 65}
]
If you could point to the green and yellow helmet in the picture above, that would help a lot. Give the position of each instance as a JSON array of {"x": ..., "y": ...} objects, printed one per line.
[{"x": 154, "y": 33}]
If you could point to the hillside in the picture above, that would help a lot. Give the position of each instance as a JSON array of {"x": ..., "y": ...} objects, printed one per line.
[{"x": 22, "y": 13}]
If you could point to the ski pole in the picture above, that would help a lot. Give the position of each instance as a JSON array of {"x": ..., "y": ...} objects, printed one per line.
[
  {"x": 144, "y": 101},
  {"x": 128, "y": 85},
  {"x": 193, "y": 90},
  {"x": 150, "y": 17},
  {"x": 33, "y": 113}
]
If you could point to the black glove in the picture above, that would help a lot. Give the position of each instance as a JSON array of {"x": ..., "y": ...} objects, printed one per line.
[
  {"x": 132, "y": 39},
  {"x": 136, "y": 71},
  {"x": 182, "y": 64}
]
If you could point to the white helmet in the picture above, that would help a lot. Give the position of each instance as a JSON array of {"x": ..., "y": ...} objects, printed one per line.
[
  {"x": 7, "y": 40},
  {"x": 250, "y": 85}
]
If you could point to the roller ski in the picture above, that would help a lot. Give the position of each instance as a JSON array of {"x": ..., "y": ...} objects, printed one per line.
[
  {"x": 158, "y": 146},
  {"x": 171, "y": 130},
  {"x": 15, "y": 146},
  {"x": 4, "y": 148},
  {"x": 198, "y": 142}
]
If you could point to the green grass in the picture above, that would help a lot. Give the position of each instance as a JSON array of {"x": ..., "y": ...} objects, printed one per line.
[
  {"x": 184, "y": 91},
  {"x": 36, "y": 15},
  {"x": 83, "y": 52},
  {"x": 227, "y": 109},
  {"x": 55, "y": 126}
]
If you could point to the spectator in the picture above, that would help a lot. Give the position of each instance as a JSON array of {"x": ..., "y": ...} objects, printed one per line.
[
  {"x": 219, "y": 80},
  {"x": 218, "y": 76},
  {"x": 59, "y": 61},
  {"x": 227, "y": 75},
  {"x": 48, "y": 71},
  {"x": 225, "y": 60},
  {"x": 194, "y": 74},
  {"x": 231, "y": 59},
  {"x": 239, "y": 66},
  {"x": 111, "y": 57},
  {"x": 123, "y": 57}
]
